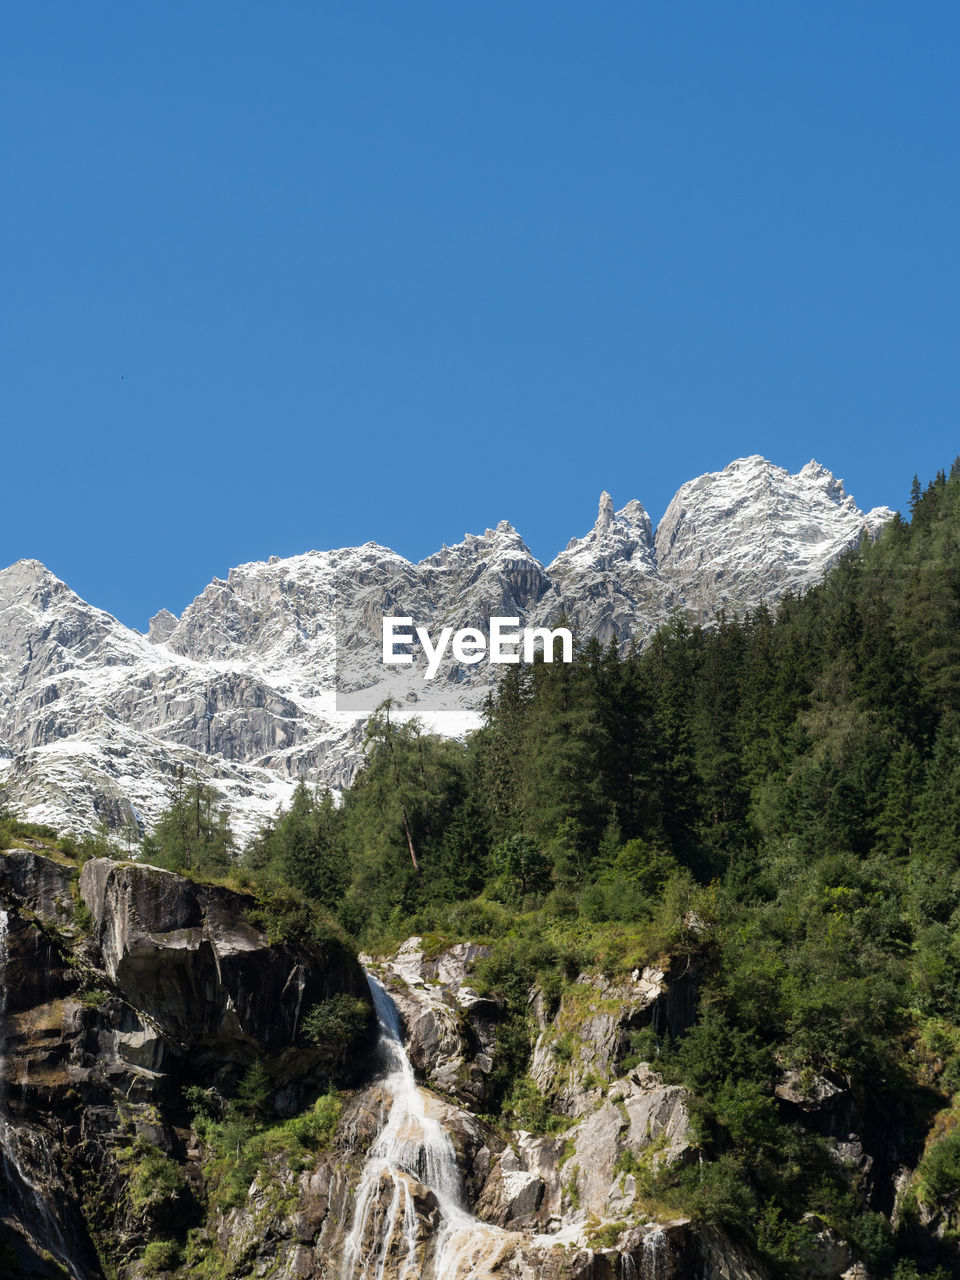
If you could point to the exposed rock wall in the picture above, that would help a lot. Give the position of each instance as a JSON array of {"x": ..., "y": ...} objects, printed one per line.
[{"x": 107, "y": 1017}]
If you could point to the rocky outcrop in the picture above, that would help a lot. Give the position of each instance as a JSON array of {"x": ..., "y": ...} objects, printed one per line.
[
  {"x": 451, "y": 1028},
  {"x": 595, "y": 1168},
  {"x": 121, "y": 986},
  {"x": 190, "y": 954},
  {"x": 579, "y": 1050}
]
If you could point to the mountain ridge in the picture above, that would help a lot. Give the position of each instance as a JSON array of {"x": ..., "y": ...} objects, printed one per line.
[{"x": 265, "y": 676}]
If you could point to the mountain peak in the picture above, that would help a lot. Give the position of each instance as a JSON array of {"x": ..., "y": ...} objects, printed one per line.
[
  {"x": 162, "y": 626},
  {"x": 814, "y": 473},
  {"x": 605, "y": 513},
  {"x": 244, "y": 686}
]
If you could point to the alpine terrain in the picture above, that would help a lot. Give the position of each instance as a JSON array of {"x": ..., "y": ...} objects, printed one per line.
[{"x": 268, "y": 676}]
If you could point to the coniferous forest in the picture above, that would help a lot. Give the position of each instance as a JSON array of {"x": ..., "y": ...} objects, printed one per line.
[{"x": 770, "y": 805}]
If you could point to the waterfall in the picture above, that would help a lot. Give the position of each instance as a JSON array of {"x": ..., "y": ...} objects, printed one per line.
[
  {"x": 628, "y": 1268},
  {"x": 412, "y": 1147},
  {"x": 654, "y": 1259}
]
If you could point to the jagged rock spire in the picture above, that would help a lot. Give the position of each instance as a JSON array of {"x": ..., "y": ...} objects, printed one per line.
[{"x": 605, "y": 514}]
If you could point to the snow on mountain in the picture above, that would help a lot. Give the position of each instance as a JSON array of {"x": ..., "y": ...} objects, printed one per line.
[
  {"x": 268, "y": 675},
  {"x": 608, "y": 581},
  {"x": 755, "y": 532}
]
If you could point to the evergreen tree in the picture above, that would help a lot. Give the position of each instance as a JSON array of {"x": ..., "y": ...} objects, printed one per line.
[{"x": 193, "y": 832}]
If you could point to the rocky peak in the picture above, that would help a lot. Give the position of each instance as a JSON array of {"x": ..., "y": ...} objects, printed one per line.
[
  {"x": 815, "y": 474},
  {"x": 28, "y": 582},
  {"x": 491, "y": 573},
  {"x": 504, "y": 540},
  {"x": 162, "y": 626},
  {"x": 607, "y": 581},
  {"x": 245, "y": 687},
  {"x": 754, "y": 530},
  {"x": 624, "y": 530}
]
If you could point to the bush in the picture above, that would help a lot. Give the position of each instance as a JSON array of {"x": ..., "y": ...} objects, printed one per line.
[
  {"x": 238, "y": 1149},
  {"x": 527, "y": 1108},
  {"x": 160, "y": 1255},
  {"x": 560, "y": 904},
  {"x": 643, "y": 1046},
  {"x": 940, "y": 1170},
  {"x": 593, "y": 904},
  {"x": 155, "y": 1183},
  {"x": 477, "y": 919},
  {"x": 337, "y": 1022},
  {"x": 287, "y": 917}
]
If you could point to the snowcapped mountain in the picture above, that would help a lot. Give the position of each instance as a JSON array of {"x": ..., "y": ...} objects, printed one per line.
[
  {"x": 266, "y": 676},
  {"x": 755, "y": 531}
]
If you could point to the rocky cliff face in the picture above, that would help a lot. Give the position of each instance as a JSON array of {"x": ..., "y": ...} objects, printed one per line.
[
  {"x": 267, "y": 675},
  {"x": 121, "y": 986},
  {"x": 131, "y": 1002}
]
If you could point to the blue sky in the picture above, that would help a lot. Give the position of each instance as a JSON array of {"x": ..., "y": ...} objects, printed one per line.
[{"x": 303, "y": 275}]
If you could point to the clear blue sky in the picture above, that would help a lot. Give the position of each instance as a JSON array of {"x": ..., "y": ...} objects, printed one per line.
[{"x": 281, "y": 276}]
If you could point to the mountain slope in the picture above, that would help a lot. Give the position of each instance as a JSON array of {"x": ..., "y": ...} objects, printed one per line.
[{"x": 266, "y": 676}]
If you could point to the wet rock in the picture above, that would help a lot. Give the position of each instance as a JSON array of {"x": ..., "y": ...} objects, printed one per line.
[{"x": 450, "y": 1028}]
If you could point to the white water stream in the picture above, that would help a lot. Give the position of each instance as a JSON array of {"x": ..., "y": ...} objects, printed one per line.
[
  {"x": 413, "y": 1151},
  {"x": 413, "y": 1147}
]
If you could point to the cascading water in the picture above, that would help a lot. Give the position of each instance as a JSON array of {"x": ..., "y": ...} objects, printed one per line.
[
  {"x": 412, "y": 1148},
  {"x": 654, "y": 1258},
  {"x": 627, "y": 1268}
]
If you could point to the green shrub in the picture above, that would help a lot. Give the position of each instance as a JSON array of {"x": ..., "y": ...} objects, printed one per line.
[
  {"x": 477, "y": 919},
  {"x": 940, "y": 1170},
  {"x": 155, "y": 1183},
  {"x": 337, "y": 1022},
  {"x": 560, "y": 904},
  {"x": 83, "y": 917},
  {"x": 160, "y": 1255},
  {"x": 201, "y": 1103},
  {"x": 288, "y": 917},
  {"x": 238, "y": 1149},
  {"x": 643, "y": 1046},
  {"x": 593, "y": 904},
  {"x": 94, "y": 997}
]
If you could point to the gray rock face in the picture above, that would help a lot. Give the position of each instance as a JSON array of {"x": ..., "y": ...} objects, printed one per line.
[
  {"x": 450, "y": 1028},
  {"x": 578, "y": 1050},
  {"x": 39, "y": 883},
  {"x": 544, "y": 1183},
  {"x": 608, "y": 581},
  {"x": 190, "y": 955},
  {"x": 101, "y": 1031},
  {"x": 753, "y": 530},
  {"x": 269, "y": 674}
]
